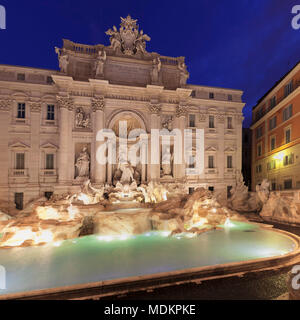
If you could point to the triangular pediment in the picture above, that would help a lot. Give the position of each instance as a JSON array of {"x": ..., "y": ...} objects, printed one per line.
[
  {"x": 49, "y": 145},
  {"x": 211, "y": 149},
  {"x": 19, "y": 145},
  {"x": 229, "y": 149}
]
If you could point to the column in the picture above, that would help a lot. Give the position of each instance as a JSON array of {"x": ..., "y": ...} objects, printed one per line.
[
  {"x": 64, "y": 103},
  {"x": 154, "y": 145},
  {"x": 221, "y": 157},
  {"x": 34, "y": 162},
  {"x": 5, "y": 110},
  {"x": 143, "y": 156},
  {"x": 239, "y": 123},
  {"x": 98, "y": 105},
  {"x": 180, "y": 123}
]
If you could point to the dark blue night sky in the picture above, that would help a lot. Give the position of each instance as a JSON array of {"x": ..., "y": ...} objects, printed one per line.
[{"x": 241, "y": 44}]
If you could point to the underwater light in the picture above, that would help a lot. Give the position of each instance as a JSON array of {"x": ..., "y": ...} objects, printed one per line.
[{"x": 228, "y": 223}]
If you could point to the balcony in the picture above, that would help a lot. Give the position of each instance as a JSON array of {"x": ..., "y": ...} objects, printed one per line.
[
  {"x": 278, "y": 100},
  {"x": 48, "y": 175},
  {"x": 210, "y": 171},
  {"x": 18, "y": 172},
  {"x": 18, "y": 175}
]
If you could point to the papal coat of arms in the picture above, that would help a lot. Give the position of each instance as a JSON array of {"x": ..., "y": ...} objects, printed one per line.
[{"x": 129, "y": 39}]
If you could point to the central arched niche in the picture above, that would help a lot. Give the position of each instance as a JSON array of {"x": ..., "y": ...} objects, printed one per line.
[{"x": 133, "y": 121}]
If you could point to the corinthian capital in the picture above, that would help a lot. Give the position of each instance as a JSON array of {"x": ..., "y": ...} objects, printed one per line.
[
  {"x": 98, "y": 104},
  {"x": 65, "y": 102},
  {"x": 181, "y": 111},
  {"x": 5, "y": 105},
  {"x": 154, "y": 108},
  {"x": 35, "y": 107}
]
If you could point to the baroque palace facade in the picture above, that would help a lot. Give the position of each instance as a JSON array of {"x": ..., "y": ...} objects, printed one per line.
[
  {"x": 276, "y": 134},
  {"x": 49, "y": 119}
]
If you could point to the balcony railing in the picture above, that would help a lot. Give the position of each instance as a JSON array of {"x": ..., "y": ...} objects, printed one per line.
[
  {"x": 18, "y": 172},
  {"x": 279, "y": 100},
  {"x": 48, "y": 172}
]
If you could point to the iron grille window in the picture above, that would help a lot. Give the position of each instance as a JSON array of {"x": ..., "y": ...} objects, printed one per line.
[
  {"x": 50, "y": 112},
  {"x": 21, "y": 110}
]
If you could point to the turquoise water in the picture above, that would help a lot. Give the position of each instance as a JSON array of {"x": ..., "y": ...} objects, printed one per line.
[{"x": 92, "y": 258}]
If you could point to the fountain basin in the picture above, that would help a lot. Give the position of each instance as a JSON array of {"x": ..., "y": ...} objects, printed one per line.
[{"x": 142, "y": 260}]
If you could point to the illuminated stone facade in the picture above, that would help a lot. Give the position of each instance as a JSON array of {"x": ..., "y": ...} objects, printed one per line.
[{"x": 47, "y": 118}]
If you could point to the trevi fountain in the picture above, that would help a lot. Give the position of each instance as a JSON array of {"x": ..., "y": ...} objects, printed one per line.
[{"x": 130, "y": 230}]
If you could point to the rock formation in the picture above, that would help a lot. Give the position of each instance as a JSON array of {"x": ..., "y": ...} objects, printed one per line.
[{"x": 241, "y": 199}]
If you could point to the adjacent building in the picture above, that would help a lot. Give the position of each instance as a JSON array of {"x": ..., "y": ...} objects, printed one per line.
[
  {"x": 49, "y": 119},
  {"x": 276, "y": 134},
  {"x": 246, "y": 156}
]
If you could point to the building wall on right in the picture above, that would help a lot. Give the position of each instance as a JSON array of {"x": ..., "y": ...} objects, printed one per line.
[{"x": 276, "y": 134}]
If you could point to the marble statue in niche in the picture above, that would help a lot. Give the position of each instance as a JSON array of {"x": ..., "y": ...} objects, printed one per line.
[
  {"x": 83, "y": 164},
  {"x": 166, "y": 161}
]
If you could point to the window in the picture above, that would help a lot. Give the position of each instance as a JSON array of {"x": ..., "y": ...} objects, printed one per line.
[
  {"x": 211, "y": 189},
  {"x": 50, "y": 112},
  {"x": 19, "y": 201},
  {"x": 192, "y": 121},
  {"x": 259, "y": 132},
  {"x": 191, "y": 162},
  {"x": 230, "y": 97},
  {"x": 49, "y": 161},
  {"x": 211, "y": 121},
  {"x": 193, "y": 94},
  {"x": 21, "y": 76},
  {"x": 273, "y": 143},
  {"x": 229, "y": 162},
  {"x": 272, "y": 102},
  {"x": 273, "y": 186},
  {"x": 210, "y": 162},
  {"x": 288, "y": 88},
  {"x": 272, "y": 123},
  {"x": 229, "y": 122},
  {"x": 21, "y": 110},
  {"x": 259, "y": 150},
  {"x": 20, "y": 161},
  {"x": 49, "y": 80},
  {"x": 271, "y": 165},
  {"x": 288, "y": 184},
  {"x": 289, "y": 159},
  {"x": 287, "y": 112},
  {"x": 287, "y": 135},
  {"x": 258, "y": 168},
  {"x": 211, "y": 95}
]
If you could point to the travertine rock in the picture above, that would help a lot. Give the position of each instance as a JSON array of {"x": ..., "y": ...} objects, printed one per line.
[
  {"x": 121, "y": 223},
  {"x": 241, "y": 199},
  {"x": 280, "y": 209}
]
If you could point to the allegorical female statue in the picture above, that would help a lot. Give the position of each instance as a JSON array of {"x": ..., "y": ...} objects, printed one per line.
[
  {"x": 167, "y": 160},
  {"x": 83, "y": 164}
]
